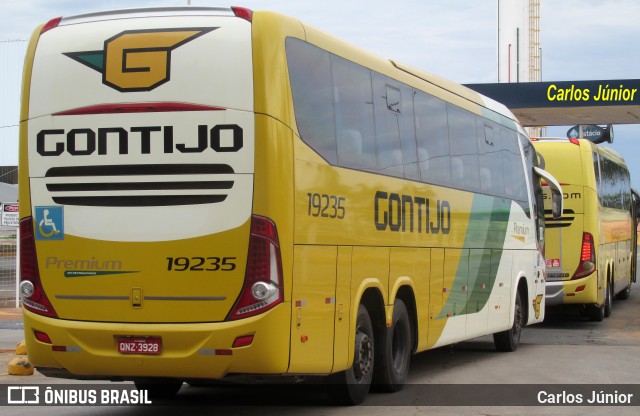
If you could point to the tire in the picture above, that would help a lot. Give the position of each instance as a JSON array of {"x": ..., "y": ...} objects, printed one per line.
[
  {"x": 394, "y": 352},
  {"x": 160, "y": 389},
  {"x": 608, "y": 300},
  {"x": 351, "y": 387},
  {"x": 595, "y": 313},
  {"x": 509, "y": 340},
  {"x": 624, "y": 295}
]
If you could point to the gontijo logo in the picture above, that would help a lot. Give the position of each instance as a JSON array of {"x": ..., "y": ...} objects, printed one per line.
[{"x": 137, "y": 60}]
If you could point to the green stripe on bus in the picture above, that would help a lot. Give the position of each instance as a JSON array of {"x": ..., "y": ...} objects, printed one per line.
[{"x": 482, "y": 250}]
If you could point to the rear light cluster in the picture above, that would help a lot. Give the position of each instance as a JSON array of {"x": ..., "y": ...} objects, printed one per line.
[
  {"x": 243, "y": 13},
  {"x": 51, "y": 24},
  {"x": 587, "y": 263},
  {"x": 33, "y": 297},
  {"x": 263, "y": 279}
]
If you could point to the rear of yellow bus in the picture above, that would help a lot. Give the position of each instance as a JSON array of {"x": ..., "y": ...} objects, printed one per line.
[
  {"x": 142, "y": 251},
  {"x": 571, "y": 241}
]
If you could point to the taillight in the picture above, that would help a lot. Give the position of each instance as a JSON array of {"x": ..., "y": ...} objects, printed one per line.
[
  {"x": 243, "y": 13},
  {"x": 574, "y": 141},
  {"x": 262, "y": 288},
  {"x": 50, "y": 25},
  {"x": 33, "y": 297},
  {"x": 587, "y": 263}
]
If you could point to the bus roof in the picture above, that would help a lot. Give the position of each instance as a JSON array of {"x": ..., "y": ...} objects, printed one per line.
[
  {"x": 401, "y": 72},
  {"x": 146, "y": 12},
  {"x": 605, "y": 151}
]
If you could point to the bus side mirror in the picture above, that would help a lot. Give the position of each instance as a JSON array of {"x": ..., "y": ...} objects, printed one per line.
[
  {"x": 556, "y": 204},
  {"x": 556, "y": 192}
]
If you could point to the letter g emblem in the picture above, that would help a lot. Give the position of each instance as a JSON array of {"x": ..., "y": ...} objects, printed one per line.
[{"x": 138, "y": 60}]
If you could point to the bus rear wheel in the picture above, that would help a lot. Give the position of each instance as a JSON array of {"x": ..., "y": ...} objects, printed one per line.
[
  {"x": 608, "y": 301},
  {"x": 624, "y": 295},
  {"x": 507, "y": 341},
  {"x": 392, "y": 367},
  {"x": 595, "y": 313},
  {"x": 351, "y": 387}
]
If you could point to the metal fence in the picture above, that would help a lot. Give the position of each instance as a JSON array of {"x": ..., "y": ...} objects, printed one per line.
[{"x": 8, "y": 277}]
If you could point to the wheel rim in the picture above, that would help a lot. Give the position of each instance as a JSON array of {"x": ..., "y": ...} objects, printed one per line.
[{"x": 364, "y": 356}]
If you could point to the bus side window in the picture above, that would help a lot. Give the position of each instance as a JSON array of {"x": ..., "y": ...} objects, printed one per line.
[
  {"x": 310, "y": 75},
  {"x": 354, "y": 110},
  {"x": 432, "y": 139},
  {"x": 464, "y": 148},
  {"x": 516, "y": 186},
  {"x": 596, "y": 170},
  {"x": 489, "y": 159},
  {"x": 537, "y": 195},
  {"x": 387, "y": 110},
  {"x": 408, "y": 134}
]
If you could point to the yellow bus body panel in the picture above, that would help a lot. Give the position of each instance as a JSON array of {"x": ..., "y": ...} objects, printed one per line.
[{"x": 189, "y": 350}]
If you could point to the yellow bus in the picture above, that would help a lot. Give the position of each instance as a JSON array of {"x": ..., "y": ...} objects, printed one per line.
[
  {"x": 211, "y": 192},
  {"x": 590, "y": 250}
]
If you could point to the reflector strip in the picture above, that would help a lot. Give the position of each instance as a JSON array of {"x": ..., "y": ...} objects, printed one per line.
[
  {"x": 65, "y": 348},
  {"x": 42, "y": 337},
  {"x": 242, "y": 341},
  {"x": 208, "y": 351}
]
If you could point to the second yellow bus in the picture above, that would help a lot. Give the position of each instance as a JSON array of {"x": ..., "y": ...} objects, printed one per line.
[{"x": 589, "y": 251}]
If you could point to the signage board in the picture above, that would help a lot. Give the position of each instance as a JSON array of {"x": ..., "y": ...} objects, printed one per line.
[
  {"x": 9, "y": 214},
  {"x": 591, "y": 132}
]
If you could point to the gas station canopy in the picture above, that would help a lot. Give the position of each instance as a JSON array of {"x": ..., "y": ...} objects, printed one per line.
[{"x": 564, "y": 103}]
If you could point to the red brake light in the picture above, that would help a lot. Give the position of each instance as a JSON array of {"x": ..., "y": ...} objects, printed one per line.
[
  {"x": 574, "y": 141},
  {"x": 243, "y": 13},
  {"x": 33, "y": 297},
  {"x": 262, "y": 288},
  {"x": 136, "y": 108},
  {"x": 587, "y": 263},
  {"x": 53, "y": 23}
]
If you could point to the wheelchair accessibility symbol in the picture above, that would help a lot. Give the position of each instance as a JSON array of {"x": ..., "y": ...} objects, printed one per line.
[{"x": 49, "y": 223}]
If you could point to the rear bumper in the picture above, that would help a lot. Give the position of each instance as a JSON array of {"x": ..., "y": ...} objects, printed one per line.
[
  {"x": 190, "y": 350},
  {"x": 572, "y": 292}
]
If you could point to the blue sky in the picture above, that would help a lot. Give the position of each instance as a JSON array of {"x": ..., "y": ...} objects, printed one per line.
[{"x": 580, "y": 40}]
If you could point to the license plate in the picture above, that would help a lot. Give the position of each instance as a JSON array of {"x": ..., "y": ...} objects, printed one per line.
[{"x": 139, "y": 345}]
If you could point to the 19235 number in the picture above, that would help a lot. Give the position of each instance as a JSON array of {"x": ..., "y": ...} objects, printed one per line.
[
  {"x": 201, "y": 264},
  {"x": 328, "y": 206}
]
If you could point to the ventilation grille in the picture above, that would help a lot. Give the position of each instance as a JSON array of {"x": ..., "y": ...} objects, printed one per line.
[
  {"x": 568, "y": 215},
  {"x": 139, "y": 185}
]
